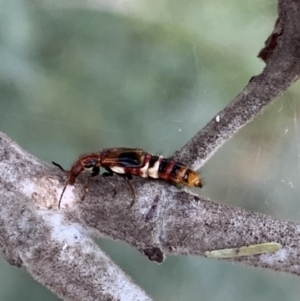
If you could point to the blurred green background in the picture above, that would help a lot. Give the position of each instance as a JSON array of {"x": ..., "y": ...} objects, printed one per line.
[{"x": 80, "y": 76}]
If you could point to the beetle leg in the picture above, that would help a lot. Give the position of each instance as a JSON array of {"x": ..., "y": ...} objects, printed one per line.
[
  {"x": 95, "y": 172},
  {"x": 109, "y": 173},
  {"x": 128, "y": 178}
]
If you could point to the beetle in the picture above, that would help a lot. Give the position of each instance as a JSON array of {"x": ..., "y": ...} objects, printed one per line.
[{"x": 128, "y": 162}]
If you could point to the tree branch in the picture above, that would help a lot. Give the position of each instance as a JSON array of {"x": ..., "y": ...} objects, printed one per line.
[
  {"x": 55, "y": 250},
  {"x": 53, "y": 245},
  {"x": 164, "y": 219},
  {"x": 282, "y": 55}
]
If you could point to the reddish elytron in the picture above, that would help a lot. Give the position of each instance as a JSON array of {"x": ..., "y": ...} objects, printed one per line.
[{"x": 128, "y": 162}]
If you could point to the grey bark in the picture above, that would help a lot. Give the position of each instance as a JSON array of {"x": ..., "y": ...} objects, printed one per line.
[{"x": 55, "y": 245}]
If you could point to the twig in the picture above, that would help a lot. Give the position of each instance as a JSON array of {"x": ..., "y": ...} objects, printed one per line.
[{"x": 282, "y": 54}]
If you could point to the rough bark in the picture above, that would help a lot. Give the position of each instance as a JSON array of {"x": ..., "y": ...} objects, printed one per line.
[{"x": 54, "y": 245}]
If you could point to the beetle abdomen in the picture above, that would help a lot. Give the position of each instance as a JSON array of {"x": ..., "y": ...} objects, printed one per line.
[{"x": 157, "y": 167}]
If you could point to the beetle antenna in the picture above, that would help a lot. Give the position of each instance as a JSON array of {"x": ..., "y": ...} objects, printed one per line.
[
  {"x": 59, "y": 166},
  {"x": 66, "y": 183},
  {"x": 62, "y": 193}
]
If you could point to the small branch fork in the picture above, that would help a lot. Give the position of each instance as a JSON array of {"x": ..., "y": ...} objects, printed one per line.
[{"x": 163, "y": 220}]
